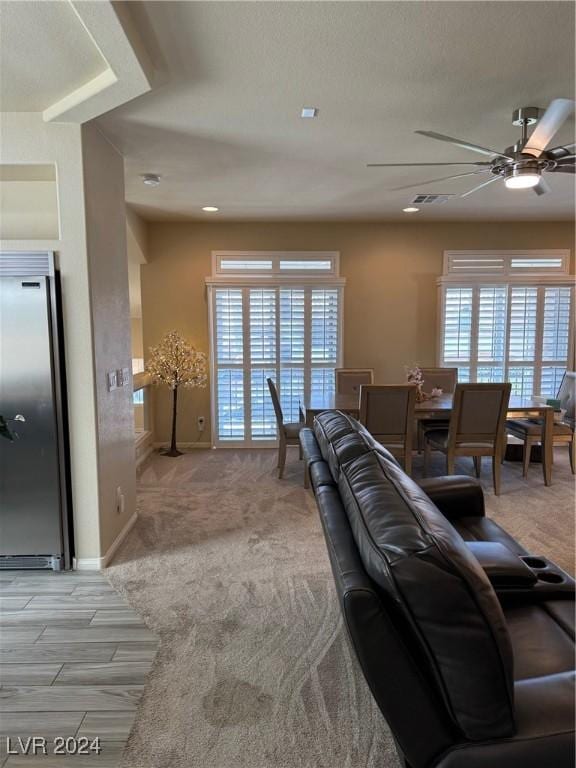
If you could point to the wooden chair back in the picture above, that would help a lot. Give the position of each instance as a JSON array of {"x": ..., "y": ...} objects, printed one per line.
[
  {"x": 349, "y": 380},
  {"x": 276, "y": 403},
  {"x": 478, "y": 414},
  {"x": 443, "y": 378},
  {"x": 387, "y": 412}
]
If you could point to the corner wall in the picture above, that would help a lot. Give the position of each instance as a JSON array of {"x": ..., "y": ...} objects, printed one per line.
[
  {"x": 390, "y": 304},
  {"x": 103, "y": 170}
]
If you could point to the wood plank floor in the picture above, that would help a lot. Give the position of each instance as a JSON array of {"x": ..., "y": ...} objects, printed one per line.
[{"x": 73, "y": 662}]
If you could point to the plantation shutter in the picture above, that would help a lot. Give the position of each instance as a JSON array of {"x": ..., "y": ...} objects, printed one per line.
[
  {"x": 457, "y": 338},
  {"x": 289, "y": 333},
  {"x": 229, "y": 333},
  {"x": 513, "y": 332}
]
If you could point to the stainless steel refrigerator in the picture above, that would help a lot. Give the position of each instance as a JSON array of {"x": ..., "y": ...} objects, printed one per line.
[{"x": 34, "y": 481}]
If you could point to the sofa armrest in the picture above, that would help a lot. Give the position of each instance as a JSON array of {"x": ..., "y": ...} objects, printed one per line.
[{"x": 455, "y": 496}]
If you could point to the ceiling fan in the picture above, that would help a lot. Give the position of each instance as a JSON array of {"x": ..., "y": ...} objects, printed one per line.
[{"x": 522, "y": 165}]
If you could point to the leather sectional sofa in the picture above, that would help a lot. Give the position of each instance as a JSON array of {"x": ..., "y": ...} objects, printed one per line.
[{"x": 465, "y": 639}]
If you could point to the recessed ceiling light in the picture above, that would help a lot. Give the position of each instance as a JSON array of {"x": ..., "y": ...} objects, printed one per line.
[
  {"x": 210, "y": 209},
  {"x": 151, "y": 179},
  {"x": 309, "y": 112},
  {"x": 411, "y": 209}
]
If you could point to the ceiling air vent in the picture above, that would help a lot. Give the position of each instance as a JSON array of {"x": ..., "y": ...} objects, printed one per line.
[{"x": 430, "y": 199}]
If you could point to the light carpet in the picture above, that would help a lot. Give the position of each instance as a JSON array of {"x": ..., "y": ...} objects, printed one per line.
[{"x": 228, "y": 566}]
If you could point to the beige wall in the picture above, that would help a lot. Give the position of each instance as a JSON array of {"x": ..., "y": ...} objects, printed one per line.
[
  {"x": 29, "y": 209},
  {"x": 390, "y": 297},
  {"x": 106, "y": 246}
]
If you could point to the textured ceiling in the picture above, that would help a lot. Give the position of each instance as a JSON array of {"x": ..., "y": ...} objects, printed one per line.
[
  {"x": 222, "y": 125},
  {"x": 45, "y": 53}
]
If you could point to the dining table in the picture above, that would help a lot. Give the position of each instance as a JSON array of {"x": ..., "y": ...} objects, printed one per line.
[{"x": 440, "y": 407}]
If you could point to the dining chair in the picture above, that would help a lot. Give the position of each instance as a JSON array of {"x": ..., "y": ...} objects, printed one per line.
[
  {"x": 387, "y": 412},
  {"x": 287, "y": 432},
  {"x": 476, "y": 428},
  {"x": 349, "y": 380},
  {"x": 564, "y": 432},
  {"x": 444, "y": 379}
]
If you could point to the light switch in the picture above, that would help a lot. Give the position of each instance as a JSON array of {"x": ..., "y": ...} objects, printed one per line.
[
  {"x": 123, "y": 377},
  {"x": 112, "y": 380}
]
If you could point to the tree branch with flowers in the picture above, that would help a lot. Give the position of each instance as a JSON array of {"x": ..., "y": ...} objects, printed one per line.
[{"x": 176, "y": 363}]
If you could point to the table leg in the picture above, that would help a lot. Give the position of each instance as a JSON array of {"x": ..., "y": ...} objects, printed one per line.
[{"x": 547, "y": 445}]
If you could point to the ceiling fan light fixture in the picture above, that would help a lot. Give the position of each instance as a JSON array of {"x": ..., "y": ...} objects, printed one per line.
[{"x": 521, "y": 178}]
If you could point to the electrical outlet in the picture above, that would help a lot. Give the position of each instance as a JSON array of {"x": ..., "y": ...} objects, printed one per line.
[
  {"x": 119, "y": 501},
  {"x": 201, "y": 423}
]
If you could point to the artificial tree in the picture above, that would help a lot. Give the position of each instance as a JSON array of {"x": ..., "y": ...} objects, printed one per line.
[{"x": 175, "y": 363}]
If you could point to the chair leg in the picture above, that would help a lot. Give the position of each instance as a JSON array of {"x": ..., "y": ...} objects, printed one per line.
[
  {"x": 527, "y": 452},
  {"x": 478, "y": 465},
  {"x": 496, "y": 468},
  {"x": 281, "y": 456},
  {"x": 300, "y": 454},
  {"x": 572, "y": 451}
]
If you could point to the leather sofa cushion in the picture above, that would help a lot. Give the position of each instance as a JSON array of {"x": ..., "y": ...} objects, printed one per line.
[
  {"x": 562, "y": 611},
  {"x": 483, "y": 529},
  {"x": 338, "y": 440},
  {"x": 413, "y": 553},
  {"x": 541, "y": 646},
  {"x": 545, "y": 730},
  {"x": 310, "y": 446},
  {"x": 320, "y": 475}
]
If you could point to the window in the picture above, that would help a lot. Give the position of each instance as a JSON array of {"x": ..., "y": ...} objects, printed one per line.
[
  {"x": 286, "y": 327},
  {"x": 510, "y": 328}
]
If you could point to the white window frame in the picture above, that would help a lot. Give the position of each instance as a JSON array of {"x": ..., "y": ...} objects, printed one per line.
[
  {"x": 275, "y": 258},
  {"x": 495, "y": 267},
  {"x": 275, "y": 278}
]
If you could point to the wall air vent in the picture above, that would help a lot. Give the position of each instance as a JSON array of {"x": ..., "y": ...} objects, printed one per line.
[{"x": 430, "y": 199}]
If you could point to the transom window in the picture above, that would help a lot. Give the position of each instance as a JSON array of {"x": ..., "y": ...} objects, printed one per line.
[
  {"x": 516, "y": 327},
  {"x": 284, "y": 328}
]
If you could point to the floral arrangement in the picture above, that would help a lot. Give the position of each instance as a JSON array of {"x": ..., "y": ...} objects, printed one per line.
[
  {"x": 414, "y": 376},
  {"x": 175, "y": 363}
]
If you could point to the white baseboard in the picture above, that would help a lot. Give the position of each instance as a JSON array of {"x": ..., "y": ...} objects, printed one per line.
[
  {"x": 87, "y": 563},
  {"x": 184, "y": 446},
  {"x": 99, "y": 563},
  {"x": 141, "y": 458}
]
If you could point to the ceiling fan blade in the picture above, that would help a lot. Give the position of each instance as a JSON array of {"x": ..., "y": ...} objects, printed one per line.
[
  {"x": 542, "y": 187},
  {"x": 443, "y": 178},
  {"x": 550, "y": 122},
  {"x": 471, "y": 191},
  {"x": 563, "y": 168},
  {"x": 463, "y": 144},
  {"x": 406, "y": 165},
  {"x": 560, "y": 153}
]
